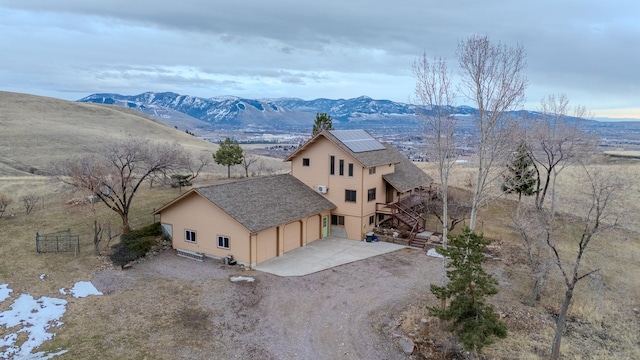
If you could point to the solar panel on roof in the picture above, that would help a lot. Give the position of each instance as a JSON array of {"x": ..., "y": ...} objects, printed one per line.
[{"x": 357, "y": 140}]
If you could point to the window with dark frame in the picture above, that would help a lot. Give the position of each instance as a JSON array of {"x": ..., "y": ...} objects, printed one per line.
[
  {"x": 189, "y": 236},
  {"x": 350, "y": 169},
  {"x": 305, "y": 162},
  {"x": 337, "y": 220},
  {"x": 372, "y": 170},
  {"x": 372, "y": 219},
  {"x": 350, "y": 195},
  {"x": 371, "y": 194},
  {"x": 332, "y": 165},
  {"x": 223, "y": 242},
  {"x": 341, "y": 167}
]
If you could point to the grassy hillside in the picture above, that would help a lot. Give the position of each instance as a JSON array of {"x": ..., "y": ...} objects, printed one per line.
[{"x": 36, "y": 131}]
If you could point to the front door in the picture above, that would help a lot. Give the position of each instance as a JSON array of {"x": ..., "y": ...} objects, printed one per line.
[
  {"x": 389, "y": 197},
  {"x": 325, "y": 226}
]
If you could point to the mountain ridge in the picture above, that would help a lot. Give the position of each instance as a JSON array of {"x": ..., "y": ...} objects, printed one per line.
[
  {"x": 287, "y": 113},
  {"x": 237, "y": 111}
]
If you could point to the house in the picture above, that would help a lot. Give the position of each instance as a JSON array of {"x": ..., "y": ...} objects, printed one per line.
[
  {"x": 342, "y": 182},
  {"x": 253, "y": 219},
  {"x": 363, "y": 177}
]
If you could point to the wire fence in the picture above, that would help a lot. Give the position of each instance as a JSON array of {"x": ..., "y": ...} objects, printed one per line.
[{"x": 61, "y": 241}]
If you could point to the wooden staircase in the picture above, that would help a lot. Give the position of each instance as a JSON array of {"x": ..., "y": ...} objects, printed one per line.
[
  {"x": 420, "y": 239},
  {"x": 406, "y": 213}
]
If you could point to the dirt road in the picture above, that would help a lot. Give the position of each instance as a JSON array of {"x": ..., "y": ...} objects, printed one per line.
[{"x": 347, "y": 312}]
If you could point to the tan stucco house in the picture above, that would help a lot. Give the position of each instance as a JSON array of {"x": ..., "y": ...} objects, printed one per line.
[
  {"x": 252, "y": 219},
  {"x": 359, "y": 174},
  {"x": 342, "y": 182}
]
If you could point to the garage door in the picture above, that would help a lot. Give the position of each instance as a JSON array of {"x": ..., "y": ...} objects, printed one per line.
[
  {"x": 291, "y": 236},
  {"x": 267, "y": 245},
  {"x": 313, "y": 228}
]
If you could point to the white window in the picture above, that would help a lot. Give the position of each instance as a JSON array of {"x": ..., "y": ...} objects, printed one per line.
[
  {"x": 223, "y": 242},
  {"x": 189, "y": 236}
]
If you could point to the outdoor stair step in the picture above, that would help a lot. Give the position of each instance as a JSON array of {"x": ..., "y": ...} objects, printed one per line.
[
  {"x": 417, "y": 243},
  {"x": 426, "y": 235}
]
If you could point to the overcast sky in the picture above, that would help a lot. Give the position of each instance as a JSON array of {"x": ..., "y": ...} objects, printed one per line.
[{"x": 587, "y": 49}]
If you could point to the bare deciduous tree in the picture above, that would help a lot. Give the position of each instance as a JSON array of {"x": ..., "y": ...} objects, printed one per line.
[
  {"x": 118, "y": 169},
  {"x": 5, "y": 201},
  {"x": 458, "y": 209},
  {"x": 556, "y": 142},
  {"x": 435, "y": 96},
  {"x": 535, "y": 227},
  {"x": 192, "y": 165},
  {"x": 596, "y": 217},
  {"x": 247, "y": 161},
  {"x": 195, "y": 164},
  {"x": 29, "y": 201},
  {"x": 492, "y": 79}
]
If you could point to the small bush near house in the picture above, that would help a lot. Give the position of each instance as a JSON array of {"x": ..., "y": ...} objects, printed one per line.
[{"x": 135, "y": 245}]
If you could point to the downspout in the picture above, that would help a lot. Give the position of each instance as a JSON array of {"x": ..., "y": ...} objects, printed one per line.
[{"x": 362, "y": 203}]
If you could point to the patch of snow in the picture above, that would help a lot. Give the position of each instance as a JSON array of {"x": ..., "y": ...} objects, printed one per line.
[
  {"x": 241, "y": 278},
  {"x": 63, "y": 291},
  {"x": 432, "y": 252},
  {"x": 33, "y": 317},
  {"x": 84, "y": 289},
  {"x": 4, "y": 292}
]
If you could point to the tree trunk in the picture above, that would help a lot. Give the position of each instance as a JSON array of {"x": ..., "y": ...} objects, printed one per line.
[
  {"x": 126, "y": 227},
  {"x": 445, "y": 225},
  {"x": 539, "y": 280},
  {"x": 560, "y": 325},
  {"x": 228, "y": 171},
  {"x": 97, "y": 236}
]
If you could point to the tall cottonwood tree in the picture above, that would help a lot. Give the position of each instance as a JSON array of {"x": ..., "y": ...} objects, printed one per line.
[
  {"x": 492, "y": 79},
  {"x": 115, "y": 172},
  {"x": 435, "y": 97}
]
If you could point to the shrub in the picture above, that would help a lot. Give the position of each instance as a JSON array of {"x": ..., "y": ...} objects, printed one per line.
[{"x": 136, "y": 244}]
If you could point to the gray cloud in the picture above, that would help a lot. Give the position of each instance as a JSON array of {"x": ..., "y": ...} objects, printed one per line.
[{"x": 317, "y": 49}]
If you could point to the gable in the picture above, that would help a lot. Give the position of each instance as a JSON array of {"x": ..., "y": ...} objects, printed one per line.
[
  {"x": 369, "y": 152},
  {"x": 261, "y": 203}
]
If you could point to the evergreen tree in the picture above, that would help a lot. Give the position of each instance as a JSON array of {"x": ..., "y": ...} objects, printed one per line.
[
  {"x": 323, "y": 122},
  {"x": 229, "y": 154},
  {"x": 472, "y": 320},
  {"x": 521, "y": 176}
]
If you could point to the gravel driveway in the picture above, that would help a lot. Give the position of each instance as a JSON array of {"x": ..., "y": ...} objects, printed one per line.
[{"x": 347, "y": 312}]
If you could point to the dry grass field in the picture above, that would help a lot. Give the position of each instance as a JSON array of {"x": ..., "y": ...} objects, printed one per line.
[
  {"x": 167, "y": 318},
  {"x": 604, "y": 318},
  {"x": 141, "y": 321}
]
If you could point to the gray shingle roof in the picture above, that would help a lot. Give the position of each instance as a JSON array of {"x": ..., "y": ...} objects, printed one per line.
[
  {"x": 262, "y": 203},
  {"x": 366, "y": 158},
  {"x": 407, "y": 175}
]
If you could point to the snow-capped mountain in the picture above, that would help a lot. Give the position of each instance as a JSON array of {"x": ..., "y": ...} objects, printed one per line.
[{"x": 275, "y": 113}]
